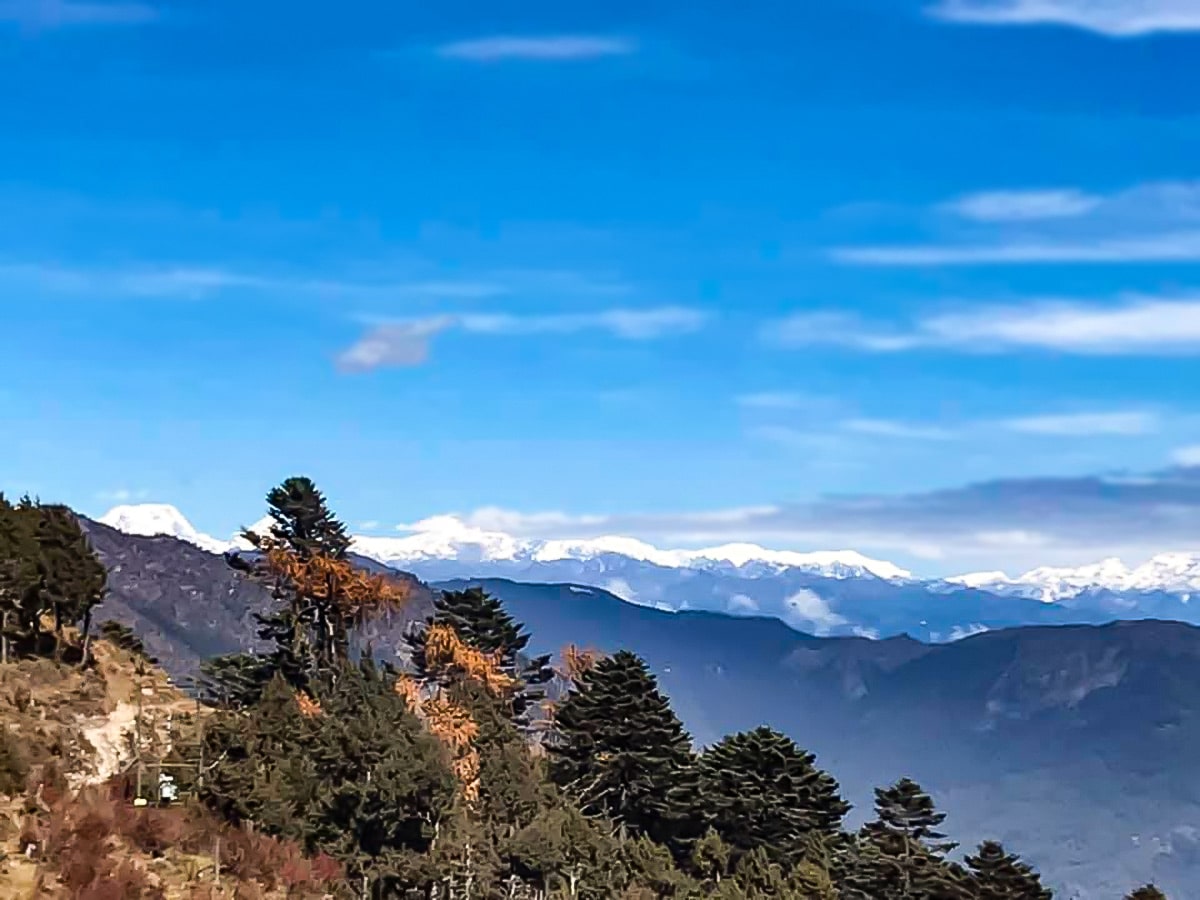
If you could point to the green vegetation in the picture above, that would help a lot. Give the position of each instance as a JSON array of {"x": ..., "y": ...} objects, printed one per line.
[
  {"x": 49, "y": 578},
  {"x": 455, "y": 777}
]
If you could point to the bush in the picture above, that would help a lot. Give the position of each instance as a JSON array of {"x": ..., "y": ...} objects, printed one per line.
[
  {"x": 14, "y": 770},
  {"x": 80, "y": 840}
]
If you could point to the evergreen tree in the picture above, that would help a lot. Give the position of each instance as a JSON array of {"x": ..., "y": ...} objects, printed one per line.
[
  {"x": 71, "y": 579},
  {"x": 761, "y": 790},
  {"x": 1147, "y": 892},
  {"x": 561, "y": 850},
  {"x": 235, "y": 680},
  {"x": 1002, "y": 876},
  {"x": 19, "y": 607},
  {"x": 621, "y": 753},
  {"x": 303, "y": 521},
  {"x": 901, "y": 854},
  {"x": 651, "y": 870},
  {"x": 711, "y": 858},
  {"x": 348, "y": 770},
  {"x": 321, "y": 595},
  {"x": 904, "y": 809},
  {"x": 481, "y": 621}
]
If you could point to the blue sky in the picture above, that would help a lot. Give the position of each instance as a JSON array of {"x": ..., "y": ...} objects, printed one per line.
[{"x": 602, "y": 266}]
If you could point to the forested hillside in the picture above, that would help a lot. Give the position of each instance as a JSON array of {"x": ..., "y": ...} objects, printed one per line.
[{"x": 476, "y": 769}]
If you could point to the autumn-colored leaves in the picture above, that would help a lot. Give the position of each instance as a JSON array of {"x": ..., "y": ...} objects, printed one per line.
[
  {"x": 448, "y": 657},
  {"x": 355, "y": 594}
]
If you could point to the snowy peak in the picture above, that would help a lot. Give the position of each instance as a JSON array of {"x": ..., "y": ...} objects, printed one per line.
[
  {"x": 449, "y": 538},
  {"x": 1173, "y": 573},
  {"x": 154, "y": 519}
]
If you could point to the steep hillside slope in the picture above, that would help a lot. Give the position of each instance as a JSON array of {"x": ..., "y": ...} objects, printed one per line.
[{"x": 188, "y": 604}]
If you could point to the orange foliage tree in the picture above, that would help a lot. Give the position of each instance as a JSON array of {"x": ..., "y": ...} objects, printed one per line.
[{"x": 449, "y": 659}]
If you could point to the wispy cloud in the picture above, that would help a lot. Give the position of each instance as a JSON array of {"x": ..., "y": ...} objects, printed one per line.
[
  {"x": 122, "y": 495},
  {"x": 1113, "y": 18},
  {"x": 1136, "y": 326},
  {"x": 895, "y": 429},
  {"x": 551, "y": 48},
  {"x": 1023, "y": 206},
  {"x": 200, "y": 281},
  {"x": 1187, "y": 456},
  {"x": 44, "y": 15},
  {"x": 1144, "y": 223},
  {"x": 406, "y": 343},
  {"x": 785, "y": 400},
  {"x": 1002, "y": 524},
  {"x": 1175, "y": 246},
  {"x": 1123, "y": 422}
]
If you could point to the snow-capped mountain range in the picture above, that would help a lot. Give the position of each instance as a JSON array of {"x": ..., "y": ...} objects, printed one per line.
[
  {"x": 1173, "y": 573},
  {"x": 447, "y": 539}
]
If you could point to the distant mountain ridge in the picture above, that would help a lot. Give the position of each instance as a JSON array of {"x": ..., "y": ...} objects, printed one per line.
[
  {"x": 1075, "y": 742},
  {"x": 829, "y": 593},
  {"x": 447, "y": 538}
]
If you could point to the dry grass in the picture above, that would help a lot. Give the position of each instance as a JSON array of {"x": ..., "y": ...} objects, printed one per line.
[{"x": 72, "y": 831}]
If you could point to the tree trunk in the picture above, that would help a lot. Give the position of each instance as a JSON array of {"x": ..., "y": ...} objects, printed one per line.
[{"x": 87, "y": 637}]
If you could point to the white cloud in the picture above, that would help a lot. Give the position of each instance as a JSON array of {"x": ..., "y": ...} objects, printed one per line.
[
  {"x": 1128, "y": 422},
  {"x": 140, "y": 281},
  {"x": 1113, "y": 18},
  {"x": 894, "y": 429},
  {"x": 1144, "y": 223},
  {"x": 631, "y": 324},
  {"x": 122, "y": 495},
  {"x": 805, "y": 609},
  {"x": 621, "y": 588},
  {"x": 741, "y": 603},
  {"x": 555, "y": 48},
  {"x": 1137, "y": 326},
  {"x": 1187, "y": 456},
  {"x": 1022, "y": 206},
  {"x": 1181, "y": 246},
  {"x": 50, "y": 14},
  {"x": 401, "y": 344},
  {"x": 1013, "y": 525},
  {"x": 406, "y": 343},
  {"x": 779, "y": 400},
  {"x": 958, "y": 632}
]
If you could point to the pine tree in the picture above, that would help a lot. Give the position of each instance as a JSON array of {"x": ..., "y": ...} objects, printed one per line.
[
  {"x": 235, "y": 680},
  {"x": 901, "y": 854},
  {"x": 761, "y": 790},
  {"x": 1002, "y": 876},
  {"x": 711, "y": 858},
  {"x": 347, "y": 770},
  {"x": 481, "y": 621},
  {"x": 1147, "y": 892},
  {"x": 563, "y": 851},
  {"x": 905, "y": 809},
  {"x": 303, "y": 521},
  {"x": 18, "y": 576},
  {"x": 621, "y": 753},
  {"x": 71, "y": 579},
  {"x": 321, "y": 594}
]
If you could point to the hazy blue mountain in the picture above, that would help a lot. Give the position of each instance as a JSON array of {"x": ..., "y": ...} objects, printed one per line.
[
  {"x": 1074, "y": 744},
  {"x": 860, "y": 605}
]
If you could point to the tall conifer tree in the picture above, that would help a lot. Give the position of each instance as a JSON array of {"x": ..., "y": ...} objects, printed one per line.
[
  {"x": 761, "y": 790},
  {"x": 1002, "y": 876},
  {"x": 621, "y": 752},
  {"x": 480, "y": 621}
]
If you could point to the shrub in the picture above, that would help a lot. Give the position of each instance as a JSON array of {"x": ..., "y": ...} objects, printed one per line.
[{"x": 14, "y": 770}]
